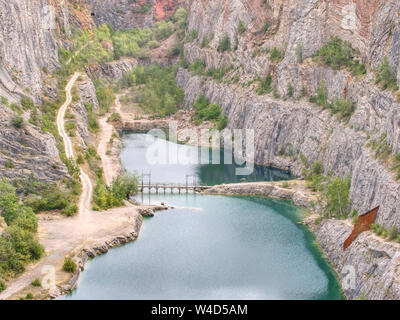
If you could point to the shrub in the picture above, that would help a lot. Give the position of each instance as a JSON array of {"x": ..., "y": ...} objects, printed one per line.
[
  {"x": 197, "y": 67},
  {"x": 386, "y": 76},
  {"x": 265, "y": 85},
  {"x": 69, "y": 265},
  {"x": 338, "y": 53},
  {"x": 337, "y": 198},
  {"x": 160, "y": 94},
  {"x": 125, "y": 186},
  {"x": 27, "y": 103},
  {"x": 9, "y": 165},
  {"x": 290, "y": 90},
  {"x": 393, "y": 234},
  {"x": 224, "y": 44},
  {"x": 276, "y": 54},
  {"x": 345, "y": 108},
  {"x": 266, "y": 26},
  {"x": 299, "y": 53},
  {"x": 18, "y": 122},
  {"x": 105, "y": 96},
  {"x": 241, "y": 27},
  {"x": 115, "y": 117},
  {"x": 321, "y": 99},
  {"x": 2, "y": 285},
  {"x": 70, "y": 210},
  {"x": 29, "y": 296},
  {"x": 36, "y": 283},
  {"x": 204, "y": 111}
]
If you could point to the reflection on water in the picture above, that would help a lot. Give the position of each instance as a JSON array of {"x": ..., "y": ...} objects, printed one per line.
[{"x": 135, "y": 157}]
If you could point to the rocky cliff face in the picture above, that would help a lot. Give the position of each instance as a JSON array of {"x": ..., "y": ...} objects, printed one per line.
[
  {"x": 128, "y": 14},
  {"x": 28, "y": 49},
  {"x": 293, "y": 124},
  {"x": 27, "y": 150}
]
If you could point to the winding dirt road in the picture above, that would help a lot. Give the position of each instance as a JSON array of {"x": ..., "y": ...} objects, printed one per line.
[{"x": 87, "y": 187}]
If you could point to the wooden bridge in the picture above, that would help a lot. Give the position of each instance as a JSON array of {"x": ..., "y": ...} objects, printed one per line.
[{"x": 171, "y": 187}]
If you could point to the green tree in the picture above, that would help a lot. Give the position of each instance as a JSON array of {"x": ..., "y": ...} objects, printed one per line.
[{"x": 337, "y": 198}]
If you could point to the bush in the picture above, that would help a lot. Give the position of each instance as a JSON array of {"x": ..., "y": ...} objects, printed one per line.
[
  {"x": 345, "y": 108},
  {"x": 321, "y": 99},
  {"x": 386, "y": 76},
  {"x": 299, "y": 53},
  {"x": 265, "y": 85},
  {"x": 337, "y": 54},
  {"x": 2, "y": 285},
  {"x": 27, "y": 103},
  {"x": 125, "y": 186},
  {"x": 69, "y": 265},
  {"x": 276, "y": 55},
  {"x": 197, "y": 67},
  {"x": 224, "y": 44},
  {"x": 266, "y": 26},
  {"x": 29, "y": 296},
  {"x": 105, "y": 96},
  {"x": 241, "y": 27},
  {"x": 70, "y": 210},
  {"x": 36, "y": 283},
  {"x": 337, "y": 198},
  {"x": 115, "y": 117},
  {"x": 18, "y": 122}
]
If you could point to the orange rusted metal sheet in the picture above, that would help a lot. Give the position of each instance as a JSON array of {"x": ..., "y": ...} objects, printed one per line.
[{"x": 363, "y": 224}]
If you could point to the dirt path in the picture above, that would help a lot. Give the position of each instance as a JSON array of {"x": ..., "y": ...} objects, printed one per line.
[{"x": 110, "y": 168}]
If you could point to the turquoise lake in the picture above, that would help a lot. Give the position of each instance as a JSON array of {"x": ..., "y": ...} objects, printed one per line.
[{"x": 211, "y": 247}]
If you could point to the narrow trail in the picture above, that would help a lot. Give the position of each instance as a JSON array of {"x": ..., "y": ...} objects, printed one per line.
[{"x": 87, "y": 188}]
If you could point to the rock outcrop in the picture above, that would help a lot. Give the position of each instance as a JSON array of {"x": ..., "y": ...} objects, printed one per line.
[
  {"x": 112, "y": 71},
  {"x": 369, "y": 268},
  {"x": 27, "y": 150}
]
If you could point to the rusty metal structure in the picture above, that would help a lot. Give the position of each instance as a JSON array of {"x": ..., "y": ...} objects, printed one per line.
[{"x": 363, "y": 224}]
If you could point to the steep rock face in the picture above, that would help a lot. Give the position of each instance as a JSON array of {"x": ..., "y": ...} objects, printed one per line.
[
  {"x": 298, "y": 127},
  {"x": 27, "y": 47},
  {"x": 27, "y": 151},
  {"x": 128, "y": 14},
  {"x": 303, "y": 128},
  {"x": 121, "y": 14},
  {"x": 112, "y": 71},
  {"x": 87, "y": 94},
  {"x": 369, "y": 267}
]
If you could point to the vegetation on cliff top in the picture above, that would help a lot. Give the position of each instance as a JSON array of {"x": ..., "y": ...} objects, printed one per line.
[{"x": 157, "y": 91}]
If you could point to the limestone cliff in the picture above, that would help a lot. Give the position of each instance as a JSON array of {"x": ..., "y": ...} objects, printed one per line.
[{"x": 371, "y": 26}]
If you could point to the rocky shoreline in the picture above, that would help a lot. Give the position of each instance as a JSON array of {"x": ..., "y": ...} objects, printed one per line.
[{"x": 102, "y": 247}]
